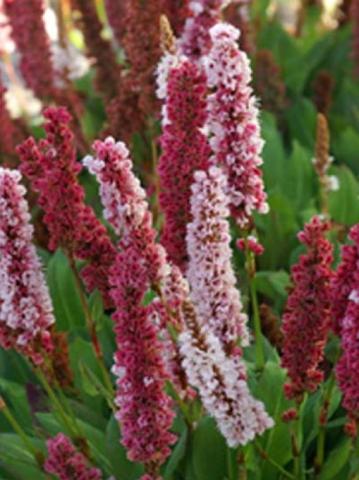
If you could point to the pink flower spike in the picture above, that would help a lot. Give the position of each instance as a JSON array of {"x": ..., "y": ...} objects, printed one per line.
[
  {"x": 144, "y": 409},
  {"x": 185, "y": 149},
  {"x": 210, "y": 274},
  {"x": 347, "y": 370},
  {"x": 29, "y": 34},
  {"x": 126, "y": 208},
  {"x": 221, "y": 382},
  {"x": 306, "y": 321},
  {"x": 343, "y": 281},
  {"x": 233, "y": 123},
  {"x": 346, "y": 315},
  {"x": 26, "y": 313},
  {"x": 66, "y": 462},
  {"x": 9, "y": 132},
  {"x": 196, "y": 40},
  {"x": 125, "y": 204},
  {"x": 51, "y": 166}
]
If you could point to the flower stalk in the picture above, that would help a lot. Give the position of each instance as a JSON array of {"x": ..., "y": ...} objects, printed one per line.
[
  {"x": 91, "y": 325},
  {"x": 38, "y": 457},
  {"x": 251, "y": 272}
]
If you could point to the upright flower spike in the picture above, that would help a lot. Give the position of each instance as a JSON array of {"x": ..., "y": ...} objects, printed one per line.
[
  {"x": 177, "y": 12},
  {"x": 184, "y": 150},
  {"x": 141, "y": 43},
  {"x": 144, "y": 409},
  {"x": 9, "y": 133},
  {"x": 343, "y": 281},
  {"x": 29, "y": 34},
  {"x": 125, "y": 205},
  {"x": 128, "y": 112},
  {"x": 306, "y": 321},
  {"x": 117, "y": 15},
  {"x": 210, "y": 274},
  {"x": 26, "y": 314},
  {"x": 233, "y": 124},
  {"x": 322, "y": 162},
  {"x": 196, "y": 40},
  {"x": 66, "y": 462},
  {"x": 221, "y": 381},
  {"x": 347, "y": 370},
  {"x": 52, "y": 170},
  {"x": 108, "y": 72}
]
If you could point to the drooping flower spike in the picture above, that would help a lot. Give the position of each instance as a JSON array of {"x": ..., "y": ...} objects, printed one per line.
[
  {"x": 52, "y": 169},
  {"x": 306, "y": 321},
  {"x": 26, "y": 313},
  {"x": 125, "y": 204},
  {"x": 233, "y": 123},
  {"x": 221, "y": 382},
  {"x": 127, "y": 210},
  {"x": 66, "y": 462}
]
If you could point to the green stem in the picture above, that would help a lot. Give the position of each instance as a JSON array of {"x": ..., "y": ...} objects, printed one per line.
[
  {"x": 242, "y": 470},
  {"x": 296, "y": 434},
  {"x": 260, "y": 359},
  {"x": 230, "y": 469},
  {"x": 91, "y": 326},
  {"x": 251, "y": 271},
  {"x": 270, "y": 460},
  {"x": 296, "y": 449},
  {"x": 72, "y": 429},
  {"x": 355, "y": 456},
  {"x": 19, "y": 430},
  {"x": 323, "y": 418}
]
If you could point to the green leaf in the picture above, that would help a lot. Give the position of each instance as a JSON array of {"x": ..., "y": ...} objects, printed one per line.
[
  {"x": 298, "y": 179},
  {"x": 286, "y": 52},
  {"x": 301, "y": 118},
  {"x": 336, "y": 460},
  {"x": 277, "y": 232},
  {"x": 17, "y": 460},
  {"x": 88, "y": 385},
  {"x": 209, "y": 451},
  {"x": 96, "y": 306},
  {"x": 16, "y": 400},
  {"x": 67, "y": 306},
  {"x": 272, "y": 284},
  {"x": 177, "y": 455},
  {"x": 121, "y": 467},
  {"x": 346, "y": 147},
  {"x": 276, "y": 442},
  {"x": 81, "y": 352},
  {"x": 274, "y": 158},
  {"x": 343, "y": 203}
]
